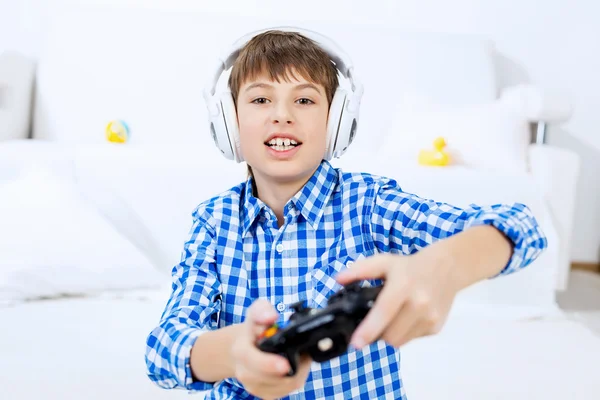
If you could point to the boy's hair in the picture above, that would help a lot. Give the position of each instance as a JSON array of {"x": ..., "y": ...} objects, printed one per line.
[{"x": 276, "y": 53}]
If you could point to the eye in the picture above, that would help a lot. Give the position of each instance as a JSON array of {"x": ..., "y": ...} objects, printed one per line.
[
  {"x": 260, "y": 100},
  {"x": 305, "y": 101}
]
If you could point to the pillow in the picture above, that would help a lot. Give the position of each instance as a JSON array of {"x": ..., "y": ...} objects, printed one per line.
[
  {"x": 488, "y": 136},
  {"x": 149, "y": 192},
  {"x": 53, "y": 244}
]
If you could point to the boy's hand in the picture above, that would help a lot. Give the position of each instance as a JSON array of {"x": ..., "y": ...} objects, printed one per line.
[
  {"x": 264, "y": 374},
  {"x": 415, "y": 300}
]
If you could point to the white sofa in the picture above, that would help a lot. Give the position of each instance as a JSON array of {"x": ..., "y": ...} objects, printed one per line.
[{"x": 171, "y": 164}]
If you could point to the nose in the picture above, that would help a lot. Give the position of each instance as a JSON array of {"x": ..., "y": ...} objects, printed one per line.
[{"x": 282, "y": 114}]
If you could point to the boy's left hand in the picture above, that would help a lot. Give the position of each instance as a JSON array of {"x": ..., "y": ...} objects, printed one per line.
[{"x": 415, "y": 300}]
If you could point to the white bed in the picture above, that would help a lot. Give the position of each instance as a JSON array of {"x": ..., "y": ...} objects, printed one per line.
[
  {"x": 93, "y": 348},
  {"x": 79, "y": 348},
  {"x": 496, "y": 358}
]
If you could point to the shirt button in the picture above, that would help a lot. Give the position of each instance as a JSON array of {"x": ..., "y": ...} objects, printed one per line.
[
  {"x": 279, "y": 247},
  {"x": 349, "y": 264},
  {"x": 280, "y": 307}
]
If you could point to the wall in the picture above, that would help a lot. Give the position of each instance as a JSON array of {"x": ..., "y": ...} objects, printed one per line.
[{"x": 554, "y": 42}]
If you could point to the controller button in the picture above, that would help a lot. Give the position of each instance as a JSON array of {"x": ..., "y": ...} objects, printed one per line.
[
  {"x": 270, "y": 332},
  {"x": 325, "y": 344}
]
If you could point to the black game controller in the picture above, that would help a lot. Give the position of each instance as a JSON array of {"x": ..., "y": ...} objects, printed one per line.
[{"x": 322, "y": 333}]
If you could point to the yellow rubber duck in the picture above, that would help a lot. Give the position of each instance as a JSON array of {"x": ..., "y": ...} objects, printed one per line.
[{"x": 438, "y": 157}]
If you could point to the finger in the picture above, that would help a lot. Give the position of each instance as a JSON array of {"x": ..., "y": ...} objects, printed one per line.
[
  {"x": 249, "y": 376},
  {"x": 406, "y": 322},
  {"x": 370, "y": 268},
  {"x": 277, "y": 386},
  {"x": 415, "y": 332},
  {"x": 386, "y": 307},
  {"x": 261, "y": 315},
  {"x": 304, "y": 365},
  {"x": 264, "y": 363}
]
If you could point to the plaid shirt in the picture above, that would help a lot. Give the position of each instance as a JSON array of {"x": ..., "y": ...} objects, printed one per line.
[{"x": 236, "y": 254}]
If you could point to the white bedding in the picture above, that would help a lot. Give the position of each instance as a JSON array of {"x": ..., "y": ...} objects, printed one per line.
[
  {"x": 478, "y": 358},
  {"x": 93, "y": 348}
]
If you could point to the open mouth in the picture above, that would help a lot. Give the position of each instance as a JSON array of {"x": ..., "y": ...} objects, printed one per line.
[{"x": 282, "y": 144}]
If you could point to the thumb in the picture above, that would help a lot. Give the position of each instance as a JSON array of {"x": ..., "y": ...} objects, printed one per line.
[
  {"x": 261, "y": 315},
  {"x": 373, "y": 267}
]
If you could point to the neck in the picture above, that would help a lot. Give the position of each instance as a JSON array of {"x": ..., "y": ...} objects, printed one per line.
[{"x": 276, "y": 194}]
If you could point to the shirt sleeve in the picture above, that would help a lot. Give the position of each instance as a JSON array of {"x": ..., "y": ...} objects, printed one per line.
[
  {"x": 405, "y": 223},
  {"x": 192, "y": 309}
]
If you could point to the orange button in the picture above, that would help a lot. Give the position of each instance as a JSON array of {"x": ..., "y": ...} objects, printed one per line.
[{"x": 269, "y": 332}]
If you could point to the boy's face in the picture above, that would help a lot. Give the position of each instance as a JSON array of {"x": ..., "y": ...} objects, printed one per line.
[{"x": 283, "y": 127}]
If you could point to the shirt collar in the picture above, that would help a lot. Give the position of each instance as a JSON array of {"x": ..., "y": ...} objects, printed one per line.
[
  {"x": 310, "y": 201},
  {"x": 251, "y": 206},
  {"x": 315, "y": 194}
]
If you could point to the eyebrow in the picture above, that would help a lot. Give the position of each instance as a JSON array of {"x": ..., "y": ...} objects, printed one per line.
[{"x": 297, "y": 87}]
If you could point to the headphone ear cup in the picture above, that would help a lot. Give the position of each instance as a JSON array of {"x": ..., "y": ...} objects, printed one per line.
[
  {"x": 218, "y": 127},
  {"x": 336, "y": 110},
  {"x": 231, "y": 124},
  {"x": 346, "y": 130}
]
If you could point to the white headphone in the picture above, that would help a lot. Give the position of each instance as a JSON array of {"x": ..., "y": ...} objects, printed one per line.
[{"x": 343, "y": 111}]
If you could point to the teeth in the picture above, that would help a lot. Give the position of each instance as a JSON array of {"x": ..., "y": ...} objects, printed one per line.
[
  {"x": 282, "y": 142},
  {"x": 282, "y": 148}
]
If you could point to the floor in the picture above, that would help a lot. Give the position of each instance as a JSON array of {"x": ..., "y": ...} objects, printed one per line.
[{"x": 582, "y": 298}]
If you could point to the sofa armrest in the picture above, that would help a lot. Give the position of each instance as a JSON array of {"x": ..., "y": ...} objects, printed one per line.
[
  {"x": 538, "y": 104},
  {"x": 17, "y": 76},
  {"x": 556, "y": 171}
]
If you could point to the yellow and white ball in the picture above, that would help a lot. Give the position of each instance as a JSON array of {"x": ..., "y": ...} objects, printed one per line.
[{"x": 117, "y": 131}]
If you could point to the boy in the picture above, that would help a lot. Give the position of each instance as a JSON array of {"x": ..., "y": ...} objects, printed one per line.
[{"x": 291, "y": 232}]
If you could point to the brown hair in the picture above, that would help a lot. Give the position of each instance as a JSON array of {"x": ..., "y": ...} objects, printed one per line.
[{"x": 277, "y": 53}]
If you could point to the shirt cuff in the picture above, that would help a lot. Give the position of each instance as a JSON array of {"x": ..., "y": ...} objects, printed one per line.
[
  {"x": 181, "y": 361},
  {"x": 520, "y": 227}
]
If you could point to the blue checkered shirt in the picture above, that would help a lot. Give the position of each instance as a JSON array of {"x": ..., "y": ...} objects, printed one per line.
[{"x": 236, "y": 254}]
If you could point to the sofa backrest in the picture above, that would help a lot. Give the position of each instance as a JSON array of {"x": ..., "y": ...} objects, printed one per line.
[{"x": 148, "y": 68}]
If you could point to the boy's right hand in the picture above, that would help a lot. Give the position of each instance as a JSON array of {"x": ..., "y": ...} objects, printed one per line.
[{"x": 264, "y": 374}]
